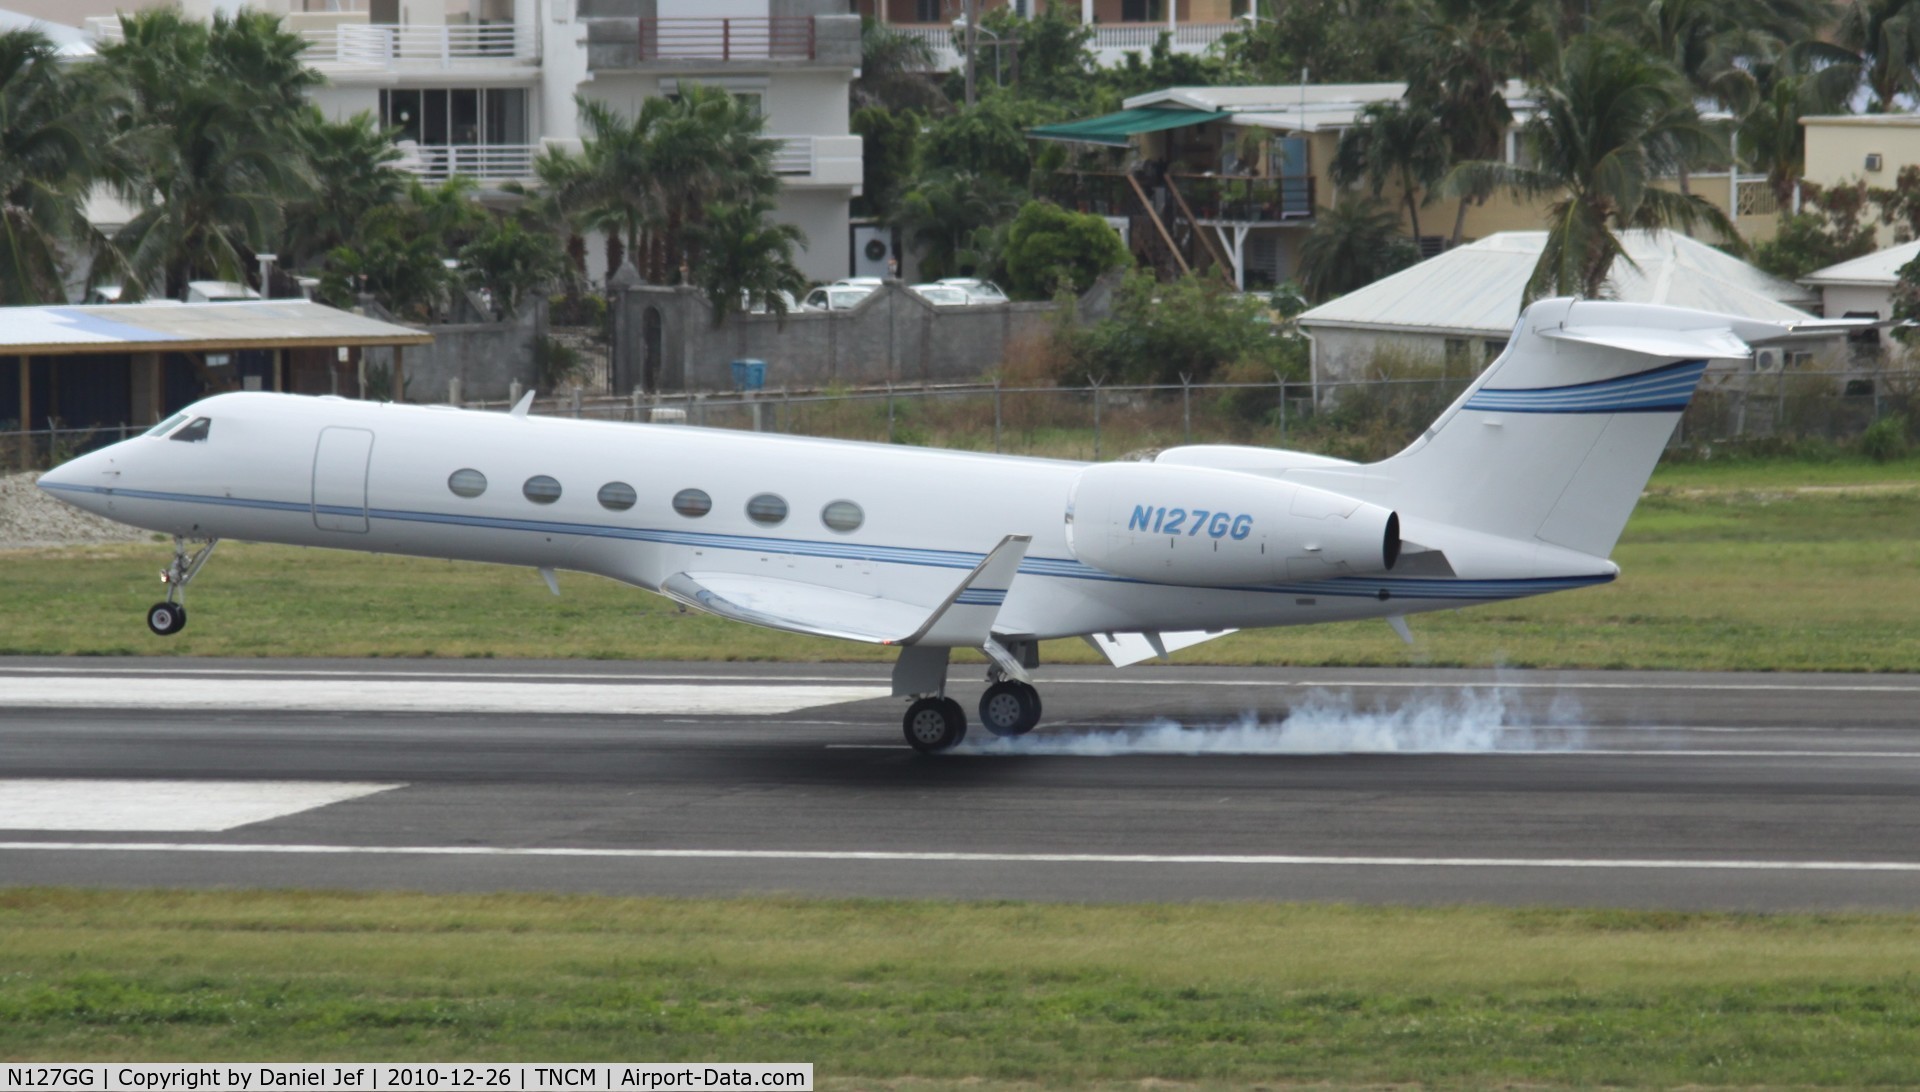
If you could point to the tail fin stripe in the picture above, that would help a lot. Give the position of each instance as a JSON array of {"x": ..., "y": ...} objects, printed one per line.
[
  {"x": 1668, "y": 391},
  {"x": 1674, "y": 369}
]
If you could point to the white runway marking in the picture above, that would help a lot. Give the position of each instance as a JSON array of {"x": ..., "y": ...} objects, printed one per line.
[
  {"x": 427, "y": 695},
  {"x": 186, "y": 668},
  {"x": 966, "y": 751},
  {"x": 972, "y": 858},
  {"x": 165, "y": 805}
]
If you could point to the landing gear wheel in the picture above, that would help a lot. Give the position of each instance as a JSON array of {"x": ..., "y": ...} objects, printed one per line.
[
  {"x": 166, "y": 619},
  {"x": 1010, "y": 708},
  {"x": 934, "y": 725}
]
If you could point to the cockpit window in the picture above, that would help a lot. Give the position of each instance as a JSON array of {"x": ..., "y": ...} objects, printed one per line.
[
  {"x": 167, "y": 425},
  {"x": 196, "y": 431}
]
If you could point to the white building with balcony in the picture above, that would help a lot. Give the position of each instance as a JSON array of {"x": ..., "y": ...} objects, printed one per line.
[{"x": 478, "y": 87}]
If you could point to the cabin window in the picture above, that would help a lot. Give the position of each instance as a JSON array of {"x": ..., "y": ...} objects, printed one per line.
[
  {"x": 767, "y": 508},
  {"x": 167, "y": 425},
  {"x": 195, "y": 432},
  {"x": 541, "y": 489},
  {"x": 843, "y": 515},
  {"x": 617, "y": 496},
  {"x": 692, "y": 503},
  {"x": 467, "y": 483}
]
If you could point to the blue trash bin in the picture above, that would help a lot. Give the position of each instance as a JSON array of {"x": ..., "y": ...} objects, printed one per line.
[{"x": 749, "y": 375}]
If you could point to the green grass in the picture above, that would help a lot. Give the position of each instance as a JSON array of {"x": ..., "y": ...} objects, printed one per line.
[
  {"x": 879, "y": 991},
  {"x": 1749, "y": 565}
]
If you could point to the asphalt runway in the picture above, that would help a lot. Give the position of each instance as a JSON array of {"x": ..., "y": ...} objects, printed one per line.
[{"x": 1760, "y": 792}]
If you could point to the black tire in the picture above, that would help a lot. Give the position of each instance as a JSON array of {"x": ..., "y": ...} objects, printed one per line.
[
  {"x": 1010, "y": 708},
  {"x": 166, "y": 619},
  {"x": 933, "y": 725}
]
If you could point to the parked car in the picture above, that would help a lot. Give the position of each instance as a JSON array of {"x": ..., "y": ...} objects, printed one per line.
[
  {"x": 943, "y": 295},
  {"x": 981, "y": 291},
  {"x": 756, "y": 304},
  {"x": 835, "y": 297}
]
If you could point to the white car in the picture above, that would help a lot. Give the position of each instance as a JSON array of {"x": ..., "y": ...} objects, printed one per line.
[
  {"x": 981, "y": 291},
  {"x": 943, "y": 295},
  {"x": 835, "y": 297}
]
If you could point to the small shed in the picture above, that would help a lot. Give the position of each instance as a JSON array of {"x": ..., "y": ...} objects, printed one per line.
[
  {"x": 1460, "y": 307},
  {"x": 1862, "y": 286},
  {"x": 127, "y": 365}
]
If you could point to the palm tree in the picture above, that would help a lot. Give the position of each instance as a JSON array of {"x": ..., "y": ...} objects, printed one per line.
[
  {"x": 944, "y": 218},
  {"x": 1352, "y": 244},
  {"x": 896, "y": 70},
  {"x": 1464, "y": 53},
  {"x": 1402, "y": 142},
  {"x": 47, "y": 125},
  {"x": 745, "y": 255},
  {"x": 648, "y": 179},
  {"x": 1875, "y": 43},
  {"x": 354, "y": 173},
  {"x": 216, "y": 109},
  {"x": 1611, "y": 122}
]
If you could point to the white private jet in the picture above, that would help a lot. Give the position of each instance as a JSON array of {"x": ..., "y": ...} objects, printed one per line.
[{"x": 1521, "y": 487}]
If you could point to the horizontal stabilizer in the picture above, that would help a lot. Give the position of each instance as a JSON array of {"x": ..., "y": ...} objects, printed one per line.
[
  {"x": 1706, "y": 344},
  {"x": 1122, "y": 649},
  {"x": 965, "y": 618}
]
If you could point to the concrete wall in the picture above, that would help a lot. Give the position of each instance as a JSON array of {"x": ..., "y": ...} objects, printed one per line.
[
  {"x": 892, "y": 336},
  {"x": 486, "y": 357}
]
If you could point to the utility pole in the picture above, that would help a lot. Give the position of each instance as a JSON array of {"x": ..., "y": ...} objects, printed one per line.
[{"x": 972, "y": 41}]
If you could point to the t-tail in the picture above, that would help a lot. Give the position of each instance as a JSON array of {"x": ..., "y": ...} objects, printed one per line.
[{"x": 1555, "y": 441}]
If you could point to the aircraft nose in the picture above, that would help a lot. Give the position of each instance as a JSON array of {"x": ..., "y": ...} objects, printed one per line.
[{"x": 82, "y": 481}]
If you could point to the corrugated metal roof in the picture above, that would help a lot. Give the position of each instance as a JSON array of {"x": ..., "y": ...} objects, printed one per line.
[
  {"x": 1476, "y": 289},
  {"x": 1880, "y": 269},
  {"x": 1301, "y": 107},
  {"x": 166, "y": 325}
]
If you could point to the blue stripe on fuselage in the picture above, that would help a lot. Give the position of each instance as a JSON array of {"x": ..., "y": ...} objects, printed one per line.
[{"x": 1063, "y": 568}]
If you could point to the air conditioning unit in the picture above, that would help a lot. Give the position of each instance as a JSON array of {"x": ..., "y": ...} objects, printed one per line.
[
  {"x": 1873, "y": 161},
  {"x": 1767, "y": 360},
  {"x": 873, "y": 250}
]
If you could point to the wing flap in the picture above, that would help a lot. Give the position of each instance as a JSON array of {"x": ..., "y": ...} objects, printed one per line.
[
  {"x": 1122, "y": 649},
  {"x": 964, "y": 618}
]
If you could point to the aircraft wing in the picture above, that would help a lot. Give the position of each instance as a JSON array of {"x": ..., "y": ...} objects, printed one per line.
[{"x": 964, "y": 618}]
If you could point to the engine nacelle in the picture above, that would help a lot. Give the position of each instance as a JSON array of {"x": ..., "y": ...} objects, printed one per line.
[{"x": 1207, "y": 528}]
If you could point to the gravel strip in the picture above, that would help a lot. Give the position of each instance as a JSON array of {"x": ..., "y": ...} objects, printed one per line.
[{"x": 32, "y": 518}]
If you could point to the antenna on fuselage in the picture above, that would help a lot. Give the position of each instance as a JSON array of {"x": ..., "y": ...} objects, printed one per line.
[{"x": 521, "y": 407}]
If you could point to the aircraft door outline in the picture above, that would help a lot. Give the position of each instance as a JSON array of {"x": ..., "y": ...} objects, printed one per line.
[{"x": 340, "y": 467}]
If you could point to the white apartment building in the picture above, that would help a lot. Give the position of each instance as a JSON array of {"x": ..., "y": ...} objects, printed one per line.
[{"x": 477, "y": 87}]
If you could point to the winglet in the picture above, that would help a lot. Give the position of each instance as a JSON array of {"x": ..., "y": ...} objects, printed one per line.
[
  {"x": 521, "y": 407},
  {"x": 966, "y": 618}
]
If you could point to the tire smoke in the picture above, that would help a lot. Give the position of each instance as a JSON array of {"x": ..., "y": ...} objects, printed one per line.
[{"x": 1467, "y": 721}]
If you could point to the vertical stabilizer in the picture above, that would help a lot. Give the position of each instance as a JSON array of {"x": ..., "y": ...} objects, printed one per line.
[{"x": 1557, "y": 438}]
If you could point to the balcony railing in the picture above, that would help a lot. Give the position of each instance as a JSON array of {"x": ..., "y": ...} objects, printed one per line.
[
  {"x": 386, "y": 46},
  {"x": 1247, "y": 199},
  {"x": 726, "y": 39},
  {"x": 1110, "y": 40},
  {"x": 1229, "y": 198},
  {"x": 485, "y": 162}
]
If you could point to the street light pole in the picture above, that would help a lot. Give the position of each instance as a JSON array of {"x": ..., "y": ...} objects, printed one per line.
[{"x": 973, "y": 39}]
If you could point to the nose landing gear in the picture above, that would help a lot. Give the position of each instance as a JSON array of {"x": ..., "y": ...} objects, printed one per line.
[{"x": 170, "y": 616}]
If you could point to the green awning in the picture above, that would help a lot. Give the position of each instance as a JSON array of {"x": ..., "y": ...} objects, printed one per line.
[{"x": 1114, "y": 129}]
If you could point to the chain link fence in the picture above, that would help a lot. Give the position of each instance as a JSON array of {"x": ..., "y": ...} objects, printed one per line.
[{"x": 1357, "y": 420}]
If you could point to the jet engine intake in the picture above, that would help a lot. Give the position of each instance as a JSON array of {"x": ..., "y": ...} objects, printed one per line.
[{"x": 1210, "y": 528}]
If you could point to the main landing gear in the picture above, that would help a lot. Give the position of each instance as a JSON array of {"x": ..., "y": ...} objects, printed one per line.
[
  {"x": 170, "y": 616},
  {"x": 935, "y": 722}
]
